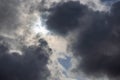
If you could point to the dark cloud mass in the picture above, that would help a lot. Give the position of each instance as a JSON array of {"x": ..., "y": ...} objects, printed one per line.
[
  {"x": 31, "y": 65},
  {"x": 65, "y": 16},
  {"x": 98, "y": 45}
]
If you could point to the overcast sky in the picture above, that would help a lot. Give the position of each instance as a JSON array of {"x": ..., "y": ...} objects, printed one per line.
[{"x": 59, "y": 40}]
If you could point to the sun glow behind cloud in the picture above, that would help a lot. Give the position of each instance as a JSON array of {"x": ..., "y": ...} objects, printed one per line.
[
  {"x": 58, "y": 45},
  {"x": 39, "y": 27}
]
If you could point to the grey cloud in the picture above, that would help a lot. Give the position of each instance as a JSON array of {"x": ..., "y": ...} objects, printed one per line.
[
  {"x": 31, "y": 65},
  {"x": 9, "y": 14},
  {"x": 98, "y": 44},
  {"x": 65, "y": 17},
  {"x": 14, "y": 14}
]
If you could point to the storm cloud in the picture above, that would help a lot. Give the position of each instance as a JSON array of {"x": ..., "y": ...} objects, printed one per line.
[
  {"x": 66, "y": 16},
  {"x": 97, "y": 47},
  {"x": 30, "y": 65}
]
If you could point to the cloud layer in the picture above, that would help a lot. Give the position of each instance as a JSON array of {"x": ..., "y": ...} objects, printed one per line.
[
  {"x": 30, "y": 65},
  {"x": 97, "y": 43},
  {"x": 95, "y": 47},
  {"x": 18, "y": 60}
]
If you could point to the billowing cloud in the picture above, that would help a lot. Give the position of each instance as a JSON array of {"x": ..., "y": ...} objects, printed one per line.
[
  {"x": 22, "y": 55},
  {"x": 15, "y": 14},
  {"x": 97, "y": 44},
  {"x": 65, "y": 16},
  {"x": 30, "y": 65}
]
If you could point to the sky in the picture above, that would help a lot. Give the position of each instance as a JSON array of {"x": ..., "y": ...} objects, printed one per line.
[{"x": 59, "y": 39}]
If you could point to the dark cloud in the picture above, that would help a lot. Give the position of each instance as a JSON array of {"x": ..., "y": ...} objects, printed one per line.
[
  {"x": 65, "y": 17},
  {"x": 98, "y": 45},
  {"x": 115, "y": 13},
  {"x": 31, "y": 65}
]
